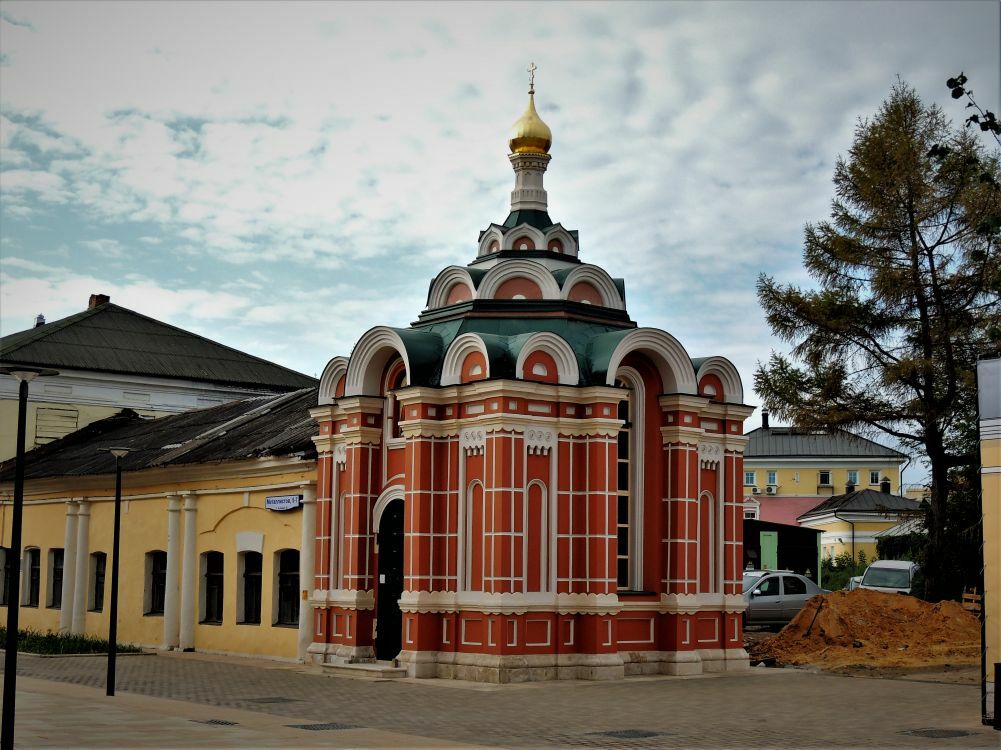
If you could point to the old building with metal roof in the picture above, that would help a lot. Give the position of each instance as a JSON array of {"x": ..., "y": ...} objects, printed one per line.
[
  {"x": 109, "y": 357},
  {"x": 788, "y": 471},
  {"x": 217, "y": 528}
]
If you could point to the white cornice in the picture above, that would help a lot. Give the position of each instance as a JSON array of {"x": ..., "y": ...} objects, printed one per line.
[{"x": 344, "y": 598}]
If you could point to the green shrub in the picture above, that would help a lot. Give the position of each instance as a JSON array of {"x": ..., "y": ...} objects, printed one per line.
[{"x": 49, "y": 643}]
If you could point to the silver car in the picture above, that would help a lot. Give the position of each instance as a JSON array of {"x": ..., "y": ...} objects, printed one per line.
[{"x": 775, "y": 597}]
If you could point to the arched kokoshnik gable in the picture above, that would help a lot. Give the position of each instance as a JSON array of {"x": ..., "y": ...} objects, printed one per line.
[
  {"x": 608, "y": 350},
  {"x": 336, "y": 369},
  {"x": 518, "y": 269},
  {"x": 420, "y": 351},
  {"x": 722, "y": 368},
  {"x": 595, "y": 276},
  {"x": 568, "y": 370},
  {"x": 447, "y": 282}
]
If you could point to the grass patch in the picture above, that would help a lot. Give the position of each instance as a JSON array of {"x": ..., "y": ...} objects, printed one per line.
[{"x": 48, "y": 643}]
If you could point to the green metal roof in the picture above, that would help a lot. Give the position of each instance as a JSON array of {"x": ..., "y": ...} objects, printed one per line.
[{"x": 537, "y": 219}]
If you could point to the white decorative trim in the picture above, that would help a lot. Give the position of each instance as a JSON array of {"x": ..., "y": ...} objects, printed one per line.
[
  {"x": 599, "y": 279},
  {"x": 557, "y": 348},
  {"x": 569, "y": 243},
  {"x": 362, "y": 599},
  {"x": 458, "y": 350},
  {"x": 508, "y": 604},
  {"x": 667, "y": 354},
  {"x": 519, "y": 268},
  {"x": 523, "y": 230},
  {"x": 445, "y": 281},
  {"x": 721, "y": 367},
  {"x": 339, "y": 455},
  {"x": 335, "y": 369},
  {"x": 473, "y": 441},
  {"x": 369, "y": 358},
  {"x": 539, "y": 441},
  {"x": 492, "y": 233},
  {"x": 710, "y": 455},
  {"x": 395, "y": 492}
]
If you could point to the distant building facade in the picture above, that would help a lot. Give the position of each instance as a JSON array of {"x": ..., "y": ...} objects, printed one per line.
[
  {"x": 524, "y": 484},
  {"x": 788, "y": 471},
  {"x": 110, "y": 358},
  {"x": 218, "y": 526}
]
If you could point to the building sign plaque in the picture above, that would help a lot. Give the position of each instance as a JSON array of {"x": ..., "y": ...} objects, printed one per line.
[{"x": 282, "y": 502}]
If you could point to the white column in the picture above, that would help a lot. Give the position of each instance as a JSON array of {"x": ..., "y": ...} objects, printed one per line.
[
  {"x": 307, "y": 559},
  {"x": 69, "y": 567},
  {"x": 171, "y": 615},
  {"x": 81, "y": 583},
  {"x": 189, "y": 576}
]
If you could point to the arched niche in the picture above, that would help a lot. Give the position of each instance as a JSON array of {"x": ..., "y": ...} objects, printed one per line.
[
  {"x": 518, "y": 268},
  {"x": 369, "y": 359},
  {"x": 724, "y": 370},
  {"x": 599, "y": 280},
  {"x": 664, "y": 351},
  {"x": 332, "y": 377},
  {"x": 568, "y": 371},
  {"x": 451, "y": 279},
  {"x": 457, "y": 354}
]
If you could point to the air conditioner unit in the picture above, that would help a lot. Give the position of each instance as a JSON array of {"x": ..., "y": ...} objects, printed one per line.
[
  {"x": 771, "y": 489},
  {"x": 755, "y": 491}
]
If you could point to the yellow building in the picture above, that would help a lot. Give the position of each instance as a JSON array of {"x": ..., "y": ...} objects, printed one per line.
[
  {"x": 217, "y": 529},
  {"x": 989, "y": 382},
  {"x": 110, "y": 358},
  {"x": 788, "y": 471},
  {"x": 853, "y": 521}
]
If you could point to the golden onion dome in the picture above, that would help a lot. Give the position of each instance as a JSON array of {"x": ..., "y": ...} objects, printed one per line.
[{"x": 529, "y": 134}]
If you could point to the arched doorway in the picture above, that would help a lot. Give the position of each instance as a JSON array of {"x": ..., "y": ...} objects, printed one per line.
[{"x": 389, "y": 619}]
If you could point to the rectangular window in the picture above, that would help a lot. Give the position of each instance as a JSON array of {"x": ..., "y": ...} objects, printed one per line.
[
  {"x": 251, "y": 562},
  {"x": 55, "y": 597},
  {"x": 288, "y": 587},
  {"x": 824, "y": 479},
  {"x": 5, "y": 575},
  {"x": 750, "y": 478},
  {"x": 852, "y": 477},
  {"x": 773, "y": 478},
  {"x": 98, "y": 566},
  {"x": 213, "y": 587},
  {"x": 873, "y": 477},
  {"x": 156, "y": 581},
  {"x": 33, "y": 580}
]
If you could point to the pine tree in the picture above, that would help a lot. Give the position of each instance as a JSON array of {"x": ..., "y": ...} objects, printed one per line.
[{"x": 908, "y": 282}]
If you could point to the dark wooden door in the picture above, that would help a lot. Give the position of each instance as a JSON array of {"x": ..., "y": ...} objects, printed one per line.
[{"x": 389, "y": 619}]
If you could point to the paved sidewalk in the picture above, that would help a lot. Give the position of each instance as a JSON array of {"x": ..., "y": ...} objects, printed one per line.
[{"x": 194, "y": 700}]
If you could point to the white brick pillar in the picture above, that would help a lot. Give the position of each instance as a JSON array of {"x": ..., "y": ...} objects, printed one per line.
[
  {"x": 307, "y": 559},
  {"x": 189, "y": 575},
  {"x": 81, "y": 582},
  {"x": 69, "y": 567},
  {"x": 171, "y": 613}
]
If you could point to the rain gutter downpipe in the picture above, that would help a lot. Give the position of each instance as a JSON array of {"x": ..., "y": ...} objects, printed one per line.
[{"x": 852, "y": 523}]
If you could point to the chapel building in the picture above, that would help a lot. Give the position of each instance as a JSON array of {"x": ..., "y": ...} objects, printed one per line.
[{"x": 524, "y": 484}]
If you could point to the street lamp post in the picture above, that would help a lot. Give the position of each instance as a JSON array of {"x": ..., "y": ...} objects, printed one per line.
[
  {"x": 23, "y": 375},
  {"x": 119, "y": 454}
]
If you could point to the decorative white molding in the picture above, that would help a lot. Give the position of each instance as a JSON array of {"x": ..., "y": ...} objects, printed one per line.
[
  {"x": 446, "y": 280},
  {"x": 710, "y": 455},
  {"x": 519, "y": 268},
  {"x": 557, "y": 348},
  {"x": 508, "y": 604},
  {"x": 368, "y": 360},
  {"x": 336, "y": 368},
  {"x": 473, "y": 441},
  {"x": 667, "y": 354},
  {"x": 599, "y": 279},
  {"x": 540, "y": 440},
  {"x": 458, "y": 350},
  {"x": 344, "y": 598},
  {"x": 340, "y": 455},
  {"x": 721, "y": 367}
]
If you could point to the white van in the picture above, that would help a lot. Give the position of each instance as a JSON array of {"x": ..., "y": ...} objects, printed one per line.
[{"x": 891, "y": 576}]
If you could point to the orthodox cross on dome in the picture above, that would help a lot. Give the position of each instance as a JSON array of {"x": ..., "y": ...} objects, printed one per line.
[{"x": 531, "y": 77}]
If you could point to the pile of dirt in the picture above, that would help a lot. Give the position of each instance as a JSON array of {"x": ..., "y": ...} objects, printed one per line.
[{"x": 870, "y": 629}]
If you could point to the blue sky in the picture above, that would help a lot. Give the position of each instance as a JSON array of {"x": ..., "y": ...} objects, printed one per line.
[{"x": 281, "y": 177}]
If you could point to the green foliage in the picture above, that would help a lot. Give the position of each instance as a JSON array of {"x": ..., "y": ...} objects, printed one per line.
[
  {"x": 49, "y": 643},
  {"x": 838, "y": 571},
  {"x": 907, "y": 275}
]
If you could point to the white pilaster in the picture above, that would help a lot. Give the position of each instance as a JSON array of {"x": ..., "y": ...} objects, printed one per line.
[
  {"x": 307, "y": 561},
  {"x": 81, "y": 578},
  {"x": 171, "y": 615},
  {"x": 189, "y": 576},
  {"x": 69, "y": 567}
]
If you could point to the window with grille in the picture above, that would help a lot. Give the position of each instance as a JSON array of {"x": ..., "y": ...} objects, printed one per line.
[
  {"x": 55, "y": 596},
  {"x": 288, "y": 587},
  {"x": 156, "y": 581},
  {"x": 251, "y": 563},
  {"x": 98, "y": 568},
  {"x": 212, "y": 586}
]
